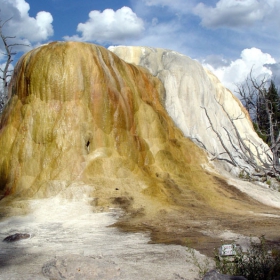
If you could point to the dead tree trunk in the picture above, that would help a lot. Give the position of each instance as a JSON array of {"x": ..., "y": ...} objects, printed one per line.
[
  {"x": 253, "y": 95},
  {"x": 6, "y": 72}
]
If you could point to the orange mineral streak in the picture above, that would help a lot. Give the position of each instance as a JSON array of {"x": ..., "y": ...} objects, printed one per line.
[{"x": 81, "y": 120}]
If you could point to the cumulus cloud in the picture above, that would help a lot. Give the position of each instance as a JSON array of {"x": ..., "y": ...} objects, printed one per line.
[
  {"x": 155, "y": 36},
  {"x": 237, "y": 13},
  {"x": 22, "y": 25},
  {"x": 110, "y": 26},
  {"x": 237, "y": 71},
  {"x": 275, "y": 68},
  {"x": 10, "y": 69}
]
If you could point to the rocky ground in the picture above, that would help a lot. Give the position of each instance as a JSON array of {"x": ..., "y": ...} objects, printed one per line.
[
  {"x": 71, "y": 241},
  {"x": 256, "y": 213},
  {"x": 76, "y": 240}
]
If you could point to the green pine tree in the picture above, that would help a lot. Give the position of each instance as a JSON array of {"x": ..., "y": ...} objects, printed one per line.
[{"x": 268, "y": 106}]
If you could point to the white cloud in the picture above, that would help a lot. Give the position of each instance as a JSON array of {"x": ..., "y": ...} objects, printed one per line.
[
  {"x": 238, "y": 70},
  {"x": 275, "y": 68},
  {"x": 21, "y": 5},
  {"x": 110, "y": 26},
  {"x": 22, "y": 25},
  {"x": 164, "y": 35},
  {"x": 237, "y": 13},
  {"x": 10, "y": 69},
  {"x": 44, "y": 25}
]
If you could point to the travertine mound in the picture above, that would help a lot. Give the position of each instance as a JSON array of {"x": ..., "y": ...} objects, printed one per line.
[
  {"x": 81, "y": 119},
  {"x": 82, "y": 123},
  {"x": 203, "y": 108}
]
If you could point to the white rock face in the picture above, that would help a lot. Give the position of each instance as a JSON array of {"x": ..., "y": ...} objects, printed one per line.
[{"x": 202, "y": 107}]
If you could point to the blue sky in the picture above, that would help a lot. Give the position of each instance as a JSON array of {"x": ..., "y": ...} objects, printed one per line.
[{"x": 227, "y": 36}]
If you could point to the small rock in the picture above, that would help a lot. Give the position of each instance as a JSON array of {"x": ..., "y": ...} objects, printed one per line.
[
  {"x": 214, "y": 275},
  {"x": 16, "y": 237}
]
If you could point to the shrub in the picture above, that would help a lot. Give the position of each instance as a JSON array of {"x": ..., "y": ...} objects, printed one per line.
[{"x": 259, "y": 262}]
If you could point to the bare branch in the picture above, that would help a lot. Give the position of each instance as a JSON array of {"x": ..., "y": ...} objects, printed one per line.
[
  {"x": 233, "y": 162},
  {"x": 200, "y": 142},
  {"x": 6, "y": 73},
  {"x": 256, "y": 97}
]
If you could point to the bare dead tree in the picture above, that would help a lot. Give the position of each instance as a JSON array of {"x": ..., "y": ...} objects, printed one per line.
[
  {"x": 6, "y": 73},
  {"x": 255, "y": 96},
  {"x": 241, "y": 152},
  {"x": 232, "y": 160}
]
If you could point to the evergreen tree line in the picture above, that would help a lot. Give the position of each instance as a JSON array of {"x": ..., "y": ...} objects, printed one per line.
[
  {"x": 262, "y": 101},
  {"x": 270, "y": 100}
]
